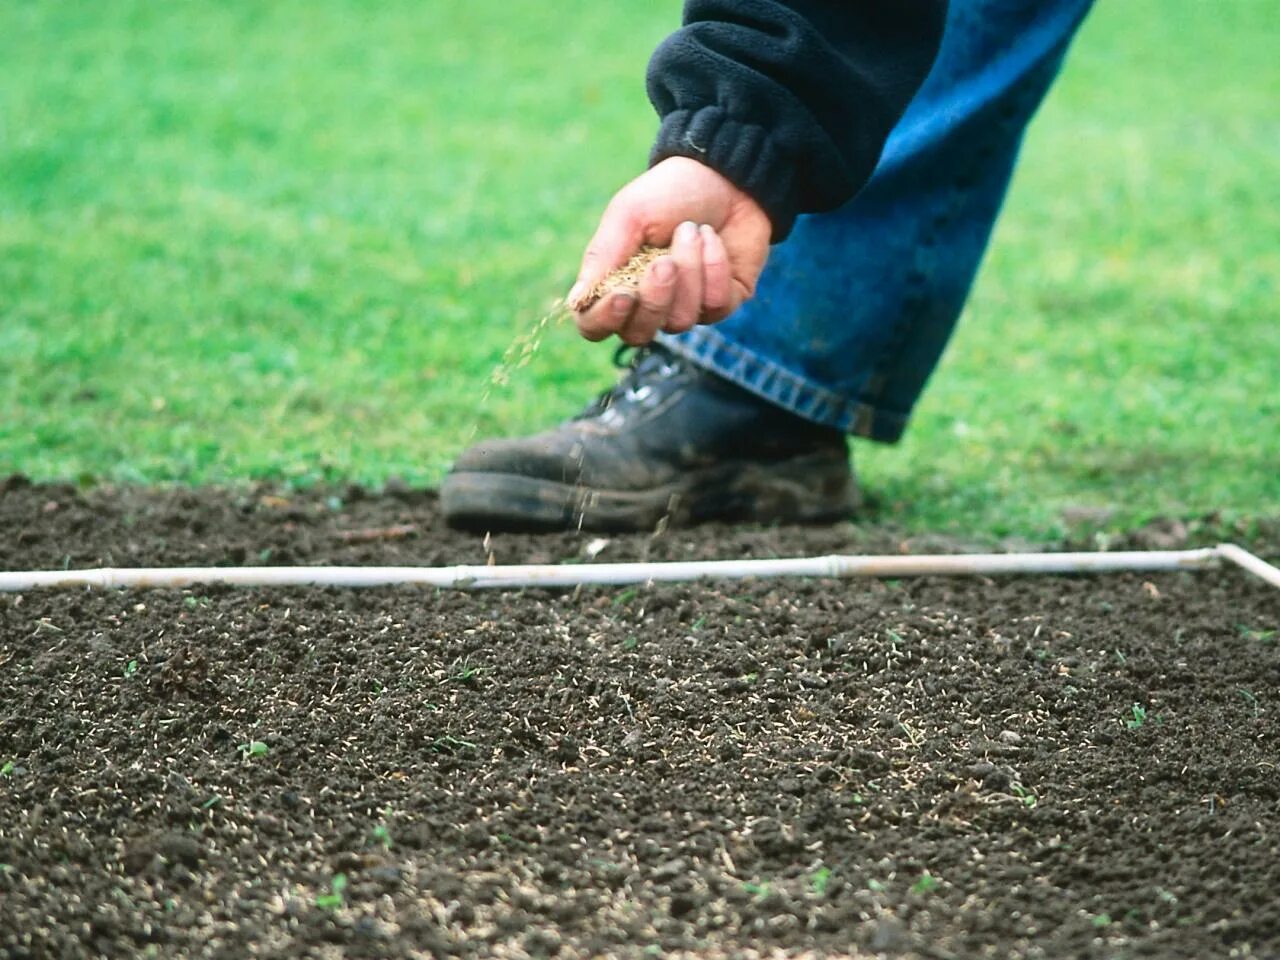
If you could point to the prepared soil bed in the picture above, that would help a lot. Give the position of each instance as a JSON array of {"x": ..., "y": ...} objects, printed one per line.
[{"x": 1041, "y": 767}]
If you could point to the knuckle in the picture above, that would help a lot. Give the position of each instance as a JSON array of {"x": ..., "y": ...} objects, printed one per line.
[
  {"x": 688, "y": 254},
  {"x": 715, "y": 294},
  {"x": 636, "y": 335},
  {"x": 664, "y": 278},
  {"x": 684, "y": 315},
  {"x": 593, "y": 326},
  {"x": 650, "y": 315}
]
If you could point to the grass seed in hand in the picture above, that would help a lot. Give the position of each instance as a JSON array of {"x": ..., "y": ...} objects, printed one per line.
[{"x": 626, "y": 277}]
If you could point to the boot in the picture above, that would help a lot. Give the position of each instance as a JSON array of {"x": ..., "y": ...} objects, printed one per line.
[{"x": 670, "y": 444}]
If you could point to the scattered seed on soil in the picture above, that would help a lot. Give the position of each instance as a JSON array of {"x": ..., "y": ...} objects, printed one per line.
[{"x": 725, "y": 787}]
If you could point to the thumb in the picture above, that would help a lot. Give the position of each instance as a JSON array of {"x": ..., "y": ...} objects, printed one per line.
[{"x": 617, "y": 238}]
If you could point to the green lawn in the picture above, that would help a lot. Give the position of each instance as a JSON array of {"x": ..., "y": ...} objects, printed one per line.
[{"x": 290, "y": 241}]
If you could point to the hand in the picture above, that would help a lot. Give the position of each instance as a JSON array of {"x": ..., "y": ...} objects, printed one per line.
[{"x": 719, "y": 239}]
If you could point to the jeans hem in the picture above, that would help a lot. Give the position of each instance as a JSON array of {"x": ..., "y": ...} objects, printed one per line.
[{"x": 711, "y": 350}]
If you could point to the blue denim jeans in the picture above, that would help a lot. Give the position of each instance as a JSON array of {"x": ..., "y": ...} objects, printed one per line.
[{"x": 855, "y": 307}]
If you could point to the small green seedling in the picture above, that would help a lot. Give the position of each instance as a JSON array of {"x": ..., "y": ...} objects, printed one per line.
[
  {"x": 925, "y": 885},
  {"x": 211, "y": 802},
  {"x": 7, "y": 769},
  {"x": 1025, "y": 795},
  {"x": 254, "y": 748},
  {"x": 756, "y": 889},
  {"x": 1249, "y": 698},
  {"x": 334, "y": 899},
  {"x": 820, "y": 880},
  {"x": 382, "y": 835},
  {"x": 449, "y": 743},
  {"x": 626, "y": 596},
  {"x": 131, "y": 668},
  {"x": 1102, "y": 920},
  {"x": 1139, "y": 717},
  {"x": 1262, "y": 636},
  {"x": 875, "y": 886}
]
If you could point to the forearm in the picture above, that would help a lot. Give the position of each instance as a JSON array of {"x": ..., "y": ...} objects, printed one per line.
[{"x": 792, "y": 101}]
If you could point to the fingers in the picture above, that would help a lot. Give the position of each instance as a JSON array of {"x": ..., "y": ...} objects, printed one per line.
[
  {"x": 616, "y": 238},
  {"x": 717, "y": 293},
  {"x": 686, "y": 301},
  {"x": 691, "y": 285},
  {"x": 619, "y": 235},
  {"x": 709, "y": 270},
  {"x": 607, "y": 317},
  {"x": 655, "y": 297},
  {"x": 669, "y": 296}
]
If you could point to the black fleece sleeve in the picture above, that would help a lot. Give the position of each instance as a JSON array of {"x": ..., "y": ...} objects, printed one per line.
[{"x": 792, "y": 100}]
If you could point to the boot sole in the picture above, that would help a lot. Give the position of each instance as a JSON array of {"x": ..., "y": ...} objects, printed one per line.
[{"x": 813, "y": 489}]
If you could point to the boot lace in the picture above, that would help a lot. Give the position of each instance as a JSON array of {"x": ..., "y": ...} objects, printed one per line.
[{"x": 644, "y": 366}]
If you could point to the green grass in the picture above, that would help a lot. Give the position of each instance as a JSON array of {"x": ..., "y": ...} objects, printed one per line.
[{"x": 290, "y": 241}]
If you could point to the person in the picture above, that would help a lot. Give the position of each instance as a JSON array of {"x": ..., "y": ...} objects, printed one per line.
[{"x": 870, "y": 144}]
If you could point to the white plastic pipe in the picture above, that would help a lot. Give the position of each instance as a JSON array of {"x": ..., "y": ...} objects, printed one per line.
[
  {"x": 572, "y": 575},
  {"x": 1255, "y": 565}
]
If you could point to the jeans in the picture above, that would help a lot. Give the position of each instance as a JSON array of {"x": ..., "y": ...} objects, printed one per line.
[{"x": 855, "y": 307}]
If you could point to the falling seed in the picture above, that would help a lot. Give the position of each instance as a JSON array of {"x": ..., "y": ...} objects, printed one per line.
[{"x": 525, "y": 347}]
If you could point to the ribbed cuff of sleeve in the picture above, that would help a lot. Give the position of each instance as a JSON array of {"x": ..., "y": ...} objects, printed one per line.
[{"x": 744, "y": 154}]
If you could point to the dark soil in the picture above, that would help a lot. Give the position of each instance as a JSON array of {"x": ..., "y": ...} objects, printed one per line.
[{"x": 937, "y": 768}]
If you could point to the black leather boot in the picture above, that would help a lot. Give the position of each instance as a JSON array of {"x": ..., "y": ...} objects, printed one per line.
[{"x": 670, "y": 443}]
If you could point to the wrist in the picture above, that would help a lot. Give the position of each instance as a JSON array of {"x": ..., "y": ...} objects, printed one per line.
[{"x": 743, "y": 154}]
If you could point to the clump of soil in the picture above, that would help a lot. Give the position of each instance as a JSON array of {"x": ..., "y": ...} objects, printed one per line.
[
  {"x": 933, "y": 768},
  {"x": 626, "y": 277}
]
